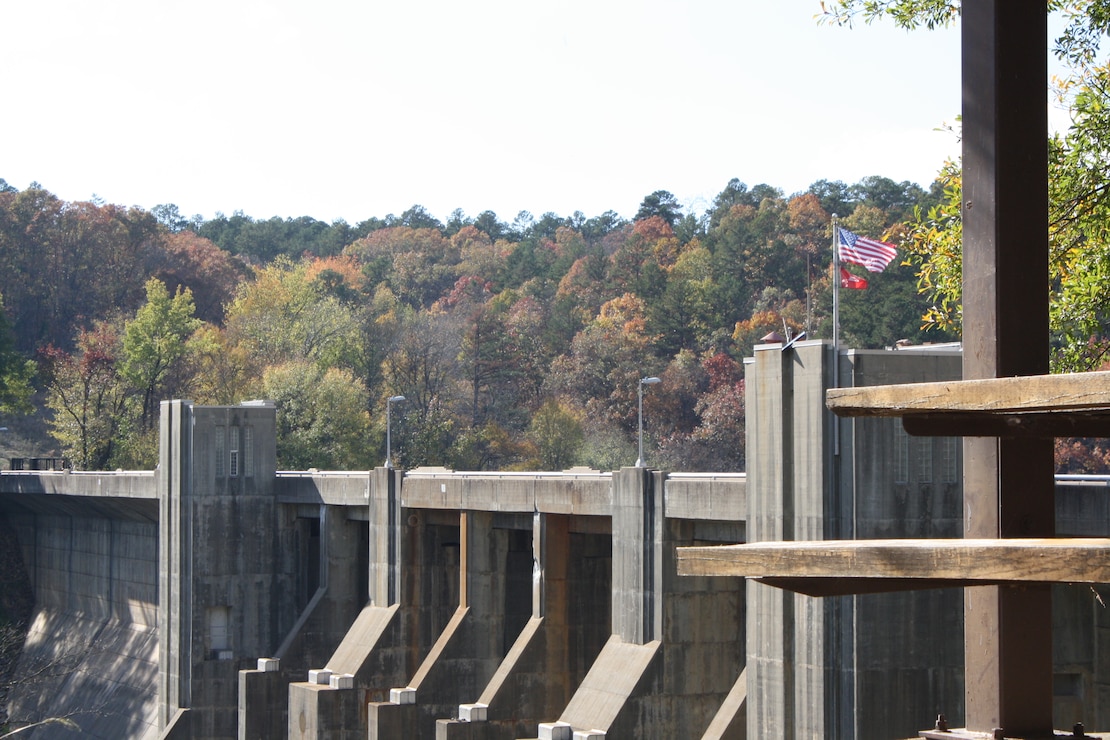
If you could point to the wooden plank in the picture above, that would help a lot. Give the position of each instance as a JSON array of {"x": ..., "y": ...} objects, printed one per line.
[
  {"x": 1093, "y": 423},
  {"x": 956, "y": 561},
  {"x": 822, "y": 587},
  {"x": 1049, "y": 394}
]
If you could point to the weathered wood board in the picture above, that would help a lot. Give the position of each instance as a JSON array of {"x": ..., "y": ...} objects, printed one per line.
[{"x": 864, "y": 566}]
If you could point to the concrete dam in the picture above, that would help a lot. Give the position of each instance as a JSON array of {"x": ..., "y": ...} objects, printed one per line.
[{"x": 216, "y": 597}]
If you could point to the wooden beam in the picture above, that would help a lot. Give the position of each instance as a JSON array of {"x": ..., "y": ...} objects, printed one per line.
[
  {"x": 934, "y": 563},
  {"x": 1036, "y": 406},
  {"x": 1008, "y": 485},
  {"x": 1048, "y": 394},
  {"x": 822, "y": 587},
  {"x": 1038, "y": 424}
]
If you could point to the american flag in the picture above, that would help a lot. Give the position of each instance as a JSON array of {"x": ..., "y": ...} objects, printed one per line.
[{"x": 871, "y": 253}]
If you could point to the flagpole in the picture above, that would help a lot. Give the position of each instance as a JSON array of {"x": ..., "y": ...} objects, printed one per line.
[
  {"x": 836, "y": 303},
  {"x": 836, "y": 326}
]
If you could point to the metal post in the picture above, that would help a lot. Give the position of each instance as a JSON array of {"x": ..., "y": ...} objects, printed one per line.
[
  {"x": 388, "y": 432},
  {"x": 640, "y": 416}
]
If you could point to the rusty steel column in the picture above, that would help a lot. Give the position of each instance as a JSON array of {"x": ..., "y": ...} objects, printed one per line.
[{"x": 1008, "y": 489}]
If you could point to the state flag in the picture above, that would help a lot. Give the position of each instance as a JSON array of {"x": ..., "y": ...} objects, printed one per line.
[{"x": 852, "y": 282}]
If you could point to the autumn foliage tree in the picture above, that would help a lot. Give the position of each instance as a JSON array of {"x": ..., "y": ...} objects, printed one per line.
[
  {"x": 62, "y": 264},
  {"x": 87, "y": 395},
  {"x": 510, "y": 341},
  {"x": 210, "y": 273}
]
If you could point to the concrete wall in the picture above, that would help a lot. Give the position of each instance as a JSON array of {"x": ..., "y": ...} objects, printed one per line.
[
  {"x": 95, "y": 586},
  {"x": 1081, "y": 614},
  {"x": 880, "y": 665},
  {"x": 530, "y": 599},
  {"x": 861, "y": 666}
]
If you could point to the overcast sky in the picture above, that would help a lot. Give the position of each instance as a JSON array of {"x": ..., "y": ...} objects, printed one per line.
[{"x": 351, "y": 109}]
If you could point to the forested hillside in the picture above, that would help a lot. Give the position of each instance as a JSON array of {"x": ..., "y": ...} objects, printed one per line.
[{"x": 515, "y": 344}]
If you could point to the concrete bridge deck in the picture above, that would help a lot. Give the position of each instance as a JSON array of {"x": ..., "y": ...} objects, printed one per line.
[{"x": 705, "y": 496}]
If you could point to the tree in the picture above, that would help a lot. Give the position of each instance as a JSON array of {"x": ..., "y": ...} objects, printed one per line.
[
  {"x": 533, "y": 345},
  {"x": 751, "y": 331},
  {"x": 265, "y": 240},
  {"x": 290, "y": 313},
  {"x": 16, "y": 372},
  {"x": 895, "y": 200},
  {"x": 418, "y": 217},
  {"x": 51, "y": 252},
  {"x": 1076, "y": 456},
  {"x": 457, "y": 220},
  {"x": 598, "y": 227},
  {"x": 155, "y": 343},
  {"x": 671, "y": 406},
  {"x": 487, "y": 222},
  {"x": 169, "y": 215},
  {"x": 606, "y": 360},
  {"x": 662, "y": 204},
  {"x": 684, "y": 316},
  {"x": 732, "y": 243},
  {"x": 549, "y": 223},
  {"x": 716, "y": 443},
  {"x": 581, "y": 292},
  {"x": 479, "y": 254},
  {"x": 322, "y": 417},
  {"x": 418, "y": 264},
  {"x": 1079, "y": 228},
  {"x": 833, "y": 196},
  {"x": 720, "y": 433},
  {"x": 224, "y": 372},
  {"x": 422, "y": 365},
  {"x": 558, "y": 434},
  {"x": 908, "y": 14},
  {"x": 186, "y": 260},
  {"x": 490, "y": 447},
  {"x": 482, "y": 356},
  {"x": 87, "y": 397}
]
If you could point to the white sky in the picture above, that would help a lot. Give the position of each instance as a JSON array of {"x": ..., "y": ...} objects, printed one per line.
[{"x": 357, "y": 108}]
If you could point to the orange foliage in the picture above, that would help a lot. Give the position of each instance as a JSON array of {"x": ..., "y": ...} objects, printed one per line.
[
  {"x": 468, "y": 234},
  {"x": 652, "y": 229},
  {"x": 346, "y": 266},
  {"x": 193, "y": 262},
  {"x": 399, "y": 240},
  {"x": 627, "y": 312}
]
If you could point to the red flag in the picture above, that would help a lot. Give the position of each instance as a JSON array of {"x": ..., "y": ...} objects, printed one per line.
[{"x": 854, "y": 282}]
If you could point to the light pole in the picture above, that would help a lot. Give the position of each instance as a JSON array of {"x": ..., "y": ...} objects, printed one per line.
[
  {"x": 388, "y": 423},
  {"x": 643, "y": 381}
]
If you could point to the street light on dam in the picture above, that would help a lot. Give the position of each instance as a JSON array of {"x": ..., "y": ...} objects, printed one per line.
[
  {"x": 643, "y": 381},
  {"x": 388, "y": 424}
]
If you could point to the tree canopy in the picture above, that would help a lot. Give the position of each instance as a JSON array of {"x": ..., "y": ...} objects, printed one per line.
[{"x": 515, "y": 344}]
